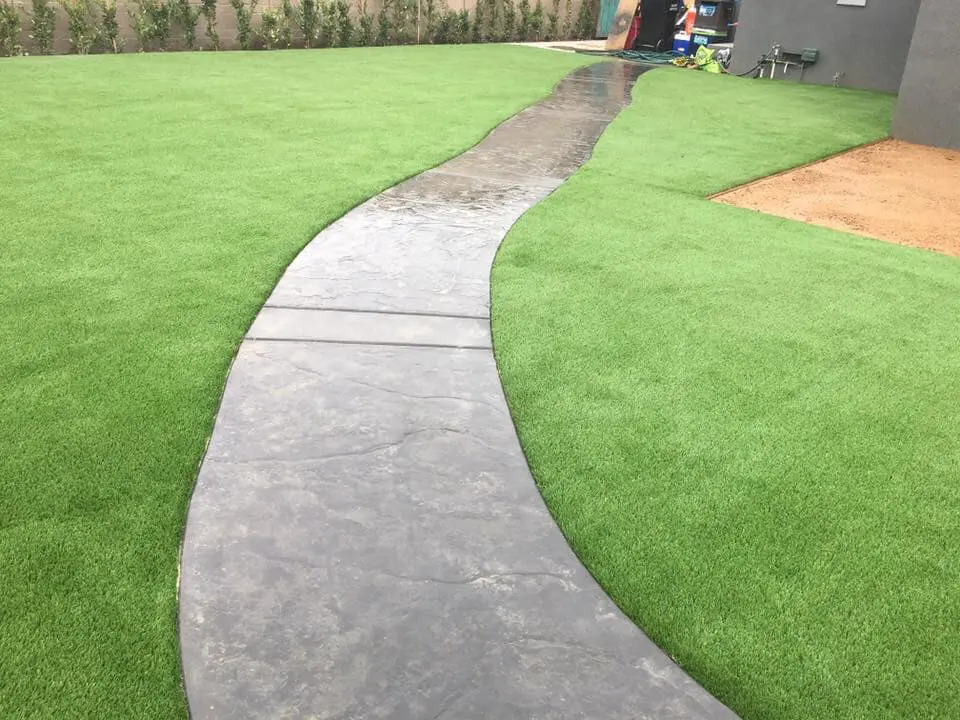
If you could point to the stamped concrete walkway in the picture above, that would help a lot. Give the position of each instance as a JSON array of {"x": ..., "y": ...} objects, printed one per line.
[{"x": 365, "y": 539}]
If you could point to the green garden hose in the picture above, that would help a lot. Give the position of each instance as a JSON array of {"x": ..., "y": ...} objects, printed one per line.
[{"x": 642, "y": 56}]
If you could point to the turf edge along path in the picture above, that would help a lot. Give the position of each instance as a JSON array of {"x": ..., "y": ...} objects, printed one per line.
[
  {"x": 148, "y": 204},
  {"x": 747, "y": 427}
]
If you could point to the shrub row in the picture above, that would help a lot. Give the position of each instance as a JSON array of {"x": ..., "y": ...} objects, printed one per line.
[{"x": 93, "y": 25}]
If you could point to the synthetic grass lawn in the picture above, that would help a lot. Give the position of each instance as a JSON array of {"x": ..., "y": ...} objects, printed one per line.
[
  {"x": 148, "y": 204},
  {"x": 748, "y": 428}
]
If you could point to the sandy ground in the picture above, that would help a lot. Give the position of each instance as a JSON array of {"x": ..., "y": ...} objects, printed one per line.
[{"x": 894, "y": 191}]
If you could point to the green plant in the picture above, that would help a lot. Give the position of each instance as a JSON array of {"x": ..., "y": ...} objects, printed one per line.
[
  {"x": 443, "y": 28},
  {"x": 383, "y": 25},
  {"x": 276, "y": 26},
  {"x": 531, "y": 21},
  {"x": 345, "y": 29},
  {"x": 80, "y": 24},
  {"x": 289, "y": 14},
  {"x": 403, "y": 15},
  {"x": 508, "y": 22},
  {"x": 271, "y": 22},
  {"x": 491, "y": 20},
  {"x": 188, "y": 15},
  {"x": 482, "y": 19},
  {"x": 9, "y": 29},
  {"x": 328, "y": 24},
  {"x": 108, "y": 32},
  {"x": 244, "y": 10},
  {"x": 43, "y": 19},
  {"x": 523, "y": 28},
  {"x": 140, "y": 24},
  {"x": 161, "y": 14},
  {"x": 152, "y": 20},
  {"x": 493, "y": 17},
  {"x": 553, "y": 21},
  {"x": 566, "y": 32},
  {"x": 460, "y": 30},
  {"x": 365, "y": 31},
  {"x": 476, "y": 29},
  {"x": 433, "y": 12},
  {"x": 208, "y": 8},
  {"x": 308, "y": 19},
  {"x": 535, "y": 23},
  {"x": 586, "y": 20}
]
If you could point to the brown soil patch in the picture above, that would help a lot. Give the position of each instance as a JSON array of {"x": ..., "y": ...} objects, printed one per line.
[{"x": 895, "y": 191}]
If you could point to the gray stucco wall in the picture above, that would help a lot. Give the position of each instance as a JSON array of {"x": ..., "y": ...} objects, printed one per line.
[
  {"x": 929, "y": 108},
  {"x": 868, "y": 44}
]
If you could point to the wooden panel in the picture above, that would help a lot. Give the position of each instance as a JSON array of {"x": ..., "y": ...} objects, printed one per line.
[{"x": 620, "y": 26}]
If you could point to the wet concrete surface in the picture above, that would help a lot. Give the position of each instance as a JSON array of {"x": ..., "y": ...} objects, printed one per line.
[{"x": 365, "y": 539}]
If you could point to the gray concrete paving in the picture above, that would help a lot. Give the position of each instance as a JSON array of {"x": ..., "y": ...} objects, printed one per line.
[{"x": 365, "y": 539}]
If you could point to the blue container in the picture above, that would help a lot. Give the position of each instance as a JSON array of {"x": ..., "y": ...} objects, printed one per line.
[{"x": 681, "y": 43}]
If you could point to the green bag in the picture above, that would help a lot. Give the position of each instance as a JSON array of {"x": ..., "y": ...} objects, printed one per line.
[{"x": 705, "y": 60}]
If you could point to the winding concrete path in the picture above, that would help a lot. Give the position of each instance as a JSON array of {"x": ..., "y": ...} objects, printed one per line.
[{"x": 365, "y": 539}]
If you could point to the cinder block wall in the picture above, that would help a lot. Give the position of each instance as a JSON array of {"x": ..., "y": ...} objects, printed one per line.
[
  {"x": 929, "y": 107},
  {"x": 867, "y": 45}
]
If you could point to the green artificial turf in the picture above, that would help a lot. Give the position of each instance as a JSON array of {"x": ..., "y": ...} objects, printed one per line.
[
  {"x": 747, "y": 427},
  {"x": 148, "y": 204}
]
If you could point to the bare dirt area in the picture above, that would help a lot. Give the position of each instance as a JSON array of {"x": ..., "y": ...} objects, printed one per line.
[{"x": 894, "y": 191}]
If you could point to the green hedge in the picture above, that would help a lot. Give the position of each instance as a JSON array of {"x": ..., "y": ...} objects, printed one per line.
[{"x": 93, "y": 25}]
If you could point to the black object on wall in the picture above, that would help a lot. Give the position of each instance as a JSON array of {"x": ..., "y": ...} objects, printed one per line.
[{"x": 657, "y": 20}]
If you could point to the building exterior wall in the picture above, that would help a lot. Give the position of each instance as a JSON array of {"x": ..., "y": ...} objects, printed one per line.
[
  {"x": 867, "y": 45},
  {"x": 929, "y": 107}
]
